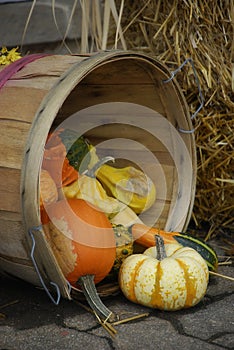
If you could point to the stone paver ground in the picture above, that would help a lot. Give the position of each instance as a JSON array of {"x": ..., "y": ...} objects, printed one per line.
[{"x": 29, "y": 321}]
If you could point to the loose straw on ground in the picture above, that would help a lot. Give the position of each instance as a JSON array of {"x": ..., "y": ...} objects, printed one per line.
[{"x": 220, "y": 275}]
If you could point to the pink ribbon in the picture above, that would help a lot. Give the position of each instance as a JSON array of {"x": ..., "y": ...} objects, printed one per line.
[{"x": 14, "y": 67}]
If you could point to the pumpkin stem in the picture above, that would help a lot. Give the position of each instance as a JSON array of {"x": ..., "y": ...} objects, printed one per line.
[
  {"x": 160, "y": 248},
  {"x": 93, "y": 299},
  {"x": 91, "y": 172}
]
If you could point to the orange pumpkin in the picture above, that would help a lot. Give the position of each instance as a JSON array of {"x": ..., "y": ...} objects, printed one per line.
[{"x": 81, "y": 238}]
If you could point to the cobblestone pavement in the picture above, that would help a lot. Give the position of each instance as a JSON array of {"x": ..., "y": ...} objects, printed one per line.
[{"x": 29, "y": 321}]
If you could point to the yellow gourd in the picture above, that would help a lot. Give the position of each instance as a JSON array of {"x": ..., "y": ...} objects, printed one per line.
[
  {"x": 48, "y": 189},
  {"x": 129, "y": 185},
  {"x": 126, "y": 217},
  {"x": 88, "y": 188}
]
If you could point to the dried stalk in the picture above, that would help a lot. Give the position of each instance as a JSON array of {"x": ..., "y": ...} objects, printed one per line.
[{"x": 220, "y": 275}]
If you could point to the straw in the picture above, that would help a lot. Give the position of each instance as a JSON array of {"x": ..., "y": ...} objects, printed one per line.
[
  {"x": 222, "y": 276},
  {"x": 27, "y": 22},
  {"x": 173, "y": 31}
]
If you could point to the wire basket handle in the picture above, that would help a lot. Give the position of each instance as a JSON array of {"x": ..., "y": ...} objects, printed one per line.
[{"x": 200, "y": 95}]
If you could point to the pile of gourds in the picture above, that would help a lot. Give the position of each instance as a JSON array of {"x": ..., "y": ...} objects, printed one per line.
[{"x": 89, "y": 211}]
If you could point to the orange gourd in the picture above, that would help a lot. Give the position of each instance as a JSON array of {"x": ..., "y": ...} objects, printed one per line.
[
  {"x": 145, "y": 235},
  {"x": 81, "y": 238},
  {"x": 56, "y": 162}
]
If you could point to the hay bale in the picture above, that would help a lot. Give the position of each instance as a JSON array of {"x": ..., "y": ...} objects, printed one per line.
[{"x": 174, "y": 31}]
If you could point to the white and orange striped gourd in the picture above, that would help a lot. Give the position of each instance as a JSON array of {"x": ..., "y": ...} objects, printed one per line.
[{"x": 166, "y": 277}]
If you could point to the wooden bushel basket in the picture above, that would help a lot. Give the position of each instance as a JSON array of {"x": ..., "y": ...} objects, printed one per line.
[{"x": 46, "y": 92}]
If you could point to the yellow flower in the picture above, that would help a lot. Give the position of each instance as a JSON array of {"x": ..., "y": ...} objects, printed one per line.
[
  {"x": 13, "y": 55},
  {"x": 4, "y": 50},
  {"x": 7, "y": 57},
  {"x": 3, "y": 60}
]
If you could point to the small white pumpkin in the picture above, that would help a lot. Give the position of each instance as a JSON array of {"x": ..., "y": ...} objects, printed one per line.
[{"x": 176, "y": 279}]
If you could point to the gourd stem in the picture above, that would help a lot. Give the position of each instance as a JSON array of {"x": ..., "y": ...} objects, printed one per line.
[
  {"x": 91, "y": 172},
  {"x": 160, "y": 248},
  {"x": 93, "y": 299}
]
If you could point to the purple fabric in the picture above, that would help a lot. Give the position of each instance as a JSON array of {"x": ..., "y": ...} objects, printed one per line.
[{"x": 14, "y": 67}]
